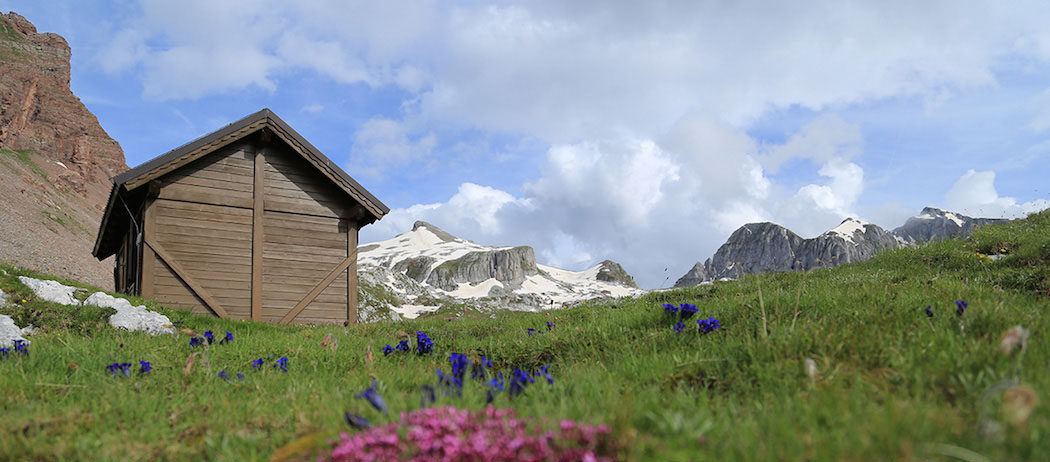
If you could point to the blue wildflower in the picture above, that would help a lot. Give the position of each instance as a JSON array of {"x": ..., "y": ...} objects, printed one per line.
[
  {"x": 550, "y": 325},
  {"x": 670, "y": 310},
  {"x": 282, "y": 364},
  {"x": 21, "y": 347},
  {"x": 678, "y": 327},
  {"x": 144, "y": 367},
  {"x": 459, "y": 365},
  {"x": 450, "y": 382},
  {"x": 196, "y": 341},
  {"x": 240, "y": 376},
  {"x": 258, "y": 362},
  {"x": 428, "y": 396},
  {"x": 929, "y": 311},
  {"x": 4, "y": 352},
  {"x": 423, "y": 344},
  {"x": 518, "y": 381},
  {"x": 227, "y": 339},
  {"x": 119, "y": 368},
  {"x": 687, "y": 311},
  {"x": 494, "y": 386},
  {"x": 209, "y": 337},
  {"x": 373, "y": 397},
  {"x": 403, "y": 346},
  {"x": 960, "y": 307},
  {"x": 531, "y": 331},
  {"x": 707, "y": 325},
  {"x": 485, "y": 362},
  {"x": 387, "y": 350},
  {"x": 543, "y": 372},
  {"x": 356, "y": 421},
  {"x": 223, "y": 375}
]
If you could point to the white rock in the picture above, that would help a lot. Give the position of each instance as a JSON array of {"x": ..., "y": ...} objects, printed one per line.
[
  {"x": 130, "y": 317},
  {"x": 9, "y": 332},
  {"x": 51, "y": 291},
  {"x": 3, "y": 298}
]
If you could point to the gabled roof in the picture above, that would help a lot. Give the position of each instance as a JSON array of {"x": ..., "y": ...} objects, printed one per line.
[{"x": 116, "y": 216}]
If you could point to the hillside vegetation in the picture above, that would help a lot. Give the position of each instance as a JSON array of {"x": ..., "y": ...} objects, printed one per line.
[{"x": 837, "y": 364}]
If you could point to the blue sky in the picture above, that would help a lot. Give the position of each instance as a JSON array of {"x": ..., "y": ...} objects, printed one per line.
[{"x": 641, "y": 132}]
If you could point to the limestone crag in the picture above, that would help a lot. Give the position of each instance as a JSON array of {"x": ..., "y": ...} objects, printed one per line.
[
  {"x": 427, "y": 268},
  {"x": 610, "y": 271},
  {"x": 508, "y": 266},
  {"x": 767, "y": 247},
  {"x": 935, "y": 224}
]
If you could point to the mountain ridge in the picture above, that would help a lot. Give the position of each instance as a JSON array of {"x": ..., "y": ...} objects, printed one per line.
[
  {"x": 756, "y": 248},
  {"x": 426, "y": 268}
]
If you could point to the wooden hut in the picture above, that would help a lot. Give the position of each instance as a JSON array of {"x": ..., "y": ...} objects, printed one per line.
[{"x": 248, "y": 222}]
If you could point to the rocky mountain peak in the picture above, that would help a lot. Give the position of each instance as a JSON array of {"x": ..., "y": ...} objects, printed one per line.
[
  {"x": 610, "y": 271},
  {"x": 934, "y": 224},
  {"x": 55, "y": 158},
  {"x": 440, "y": 233}
]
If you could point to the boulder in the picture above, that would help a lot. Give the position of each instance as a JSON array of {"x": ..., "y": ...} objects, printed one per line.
[
  {"x": 52, "y": 291},
  {"x": 130, "y": 317}
]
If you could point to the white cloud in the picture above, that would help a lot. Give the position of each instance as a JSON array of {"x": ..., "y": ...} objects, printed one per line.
[
  {"x": 974, "y": 194},
  {"x": 825, "y": 138},
  {"x": 312, "y": 108},
  {"x": 840, "y": 194},
  {"x": 646, "y": 204},
  {"x": 381, "y": 144}
]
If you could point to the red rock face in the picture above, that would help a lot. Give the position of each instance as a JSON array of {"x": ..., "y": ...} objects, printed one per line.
[{"x": 58, "y": 160}]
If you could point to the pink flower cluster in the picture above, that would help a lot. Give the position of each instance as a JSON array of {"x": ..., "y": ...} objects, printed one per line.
[{"x": 450, "y": 434}]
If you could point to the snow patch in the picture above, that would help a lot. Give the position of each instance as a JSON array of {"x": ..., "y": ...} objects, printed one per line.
[
  {"x": 51, "y": 291},
  {"x": 847, "y": 229},
  {"x": 481, "y": 289},
  {"x": 954, "y": 218},
  {"x": 130, "y": 317},
  {"x": 413, "y": 311},
  {"x": 9, "y": 332}
]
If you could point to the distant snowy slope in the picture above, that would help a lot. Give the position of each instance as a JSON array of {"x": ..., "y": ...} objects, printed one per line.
[{"x": 426, "y": 268}]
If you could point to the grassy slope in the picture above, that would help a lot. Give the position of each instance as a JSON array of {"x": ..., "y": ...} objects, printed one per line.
[{"x": 892, "y": 383}]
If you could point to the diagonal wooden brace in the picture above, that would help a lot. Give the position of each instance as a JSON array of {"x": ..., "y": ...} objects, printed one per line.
[
  {"x": 321, "y": 286},
  {"x": 209, "y": 302}
]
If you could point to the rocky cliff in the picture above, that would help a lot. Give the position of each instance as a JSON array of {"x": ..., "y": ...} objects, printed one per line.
[
  {"x": 935, "y": 224},
  {"x": 426, "y": 268},
  {"x": 767, "y": 247},
  {"x": 55, "y": 158}
]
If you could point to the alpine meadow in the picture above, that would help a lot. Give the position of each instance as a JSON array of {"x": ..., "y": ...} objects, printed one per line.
[{"x": 929, "y": 353}]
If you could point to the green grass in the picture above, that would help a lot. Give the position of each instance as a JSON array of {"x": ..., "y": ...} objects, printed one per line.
[
  {"x": 25, "y": 157},
  {"x": 891, "y": 384}
]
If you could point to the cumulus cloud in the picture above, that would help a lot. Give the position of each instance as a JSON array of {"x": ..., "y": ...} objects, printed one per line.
[
  {"x": 826, "y": 138},
  {"x": 974, "y": 194},
  {"x": 382, "y": 143},
  {"x": 649, "y": 205}
]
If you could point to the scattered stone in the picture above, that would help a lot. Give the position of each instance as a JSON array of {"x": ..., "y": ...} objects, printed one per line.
[
  {"x": 3, "y": 298},
  {"x": 130, "y": 317},
  {"x": 9, "y": 332},
  {"x": 52, "y": 291}
]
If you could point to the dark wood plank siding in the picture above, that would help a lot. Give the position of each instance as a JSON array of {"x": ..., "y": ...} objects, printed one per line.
[
  {"x": 298, "y": 252},
  {"x": 202, "y": 217},
  {"x": 293, "y": 186},
  {"x": 207, "y": 218}
]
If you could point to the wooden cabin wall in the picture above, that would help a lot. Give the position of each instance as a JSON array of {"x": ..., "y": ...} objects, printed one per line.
[
  {"x": 204, "y": 215},
  {"x": 305, "y": 238}
]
